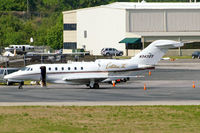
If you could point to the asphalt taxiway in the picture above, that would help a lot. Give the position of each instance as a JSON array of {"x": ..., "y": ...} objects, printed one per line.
[{"x": 170, "y": 84}]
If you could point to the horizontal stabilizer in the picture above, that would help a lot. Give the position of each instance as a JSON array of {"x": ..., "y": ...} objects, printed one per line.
[{"x": 170, "y": 45}]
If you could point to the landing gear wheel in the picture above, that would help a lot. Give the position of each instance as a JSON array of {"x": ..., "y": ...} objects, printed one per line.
[
  {"x": 8, "y": 83},
  {"x": 95, "y": 86},
  {"x": 21, "y": 85}
]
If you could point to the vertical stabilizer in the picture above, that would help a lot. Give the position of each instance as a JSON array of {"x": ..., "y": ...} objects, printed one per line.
[{"x": 154, "y": 52}]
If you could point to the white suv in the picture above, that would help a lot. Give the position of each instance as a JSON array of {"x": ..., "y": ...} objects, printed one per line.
[{"x": 111, "y": 51}]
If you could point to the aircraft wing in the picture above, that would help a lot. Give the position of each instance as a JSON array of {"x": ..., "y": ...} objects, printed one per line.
[
  {"x": 86, "y": 78},
  {"x": 137, "y": 76},
  {"x": 97, "y": 78}
]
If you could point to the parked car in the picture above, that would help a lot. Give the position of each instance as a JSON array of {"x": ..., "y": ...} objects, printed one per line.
[
  {"x": 111, "y": 51},
  {"x": 196, "y": 54},
  {"x": 6, "y": 71}
]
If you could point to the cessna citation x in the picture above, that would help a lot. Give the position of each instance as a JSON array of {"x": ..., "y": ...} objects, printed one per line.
[{"x": 101, "y": 70}]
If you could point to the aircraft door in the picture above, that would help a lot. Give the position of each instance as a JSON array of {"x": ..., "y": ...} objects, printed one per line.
[
  {"x": 23, "y": 48},
  {"x": 43, "y": 75},
  {"x": 5, "y": 72}
]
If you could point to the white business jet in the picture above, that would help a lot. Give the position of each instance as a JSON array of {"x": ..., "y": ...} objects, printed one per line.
[
  {"x": 19, "y": 48},
  {"x": 101, "y": 70}
]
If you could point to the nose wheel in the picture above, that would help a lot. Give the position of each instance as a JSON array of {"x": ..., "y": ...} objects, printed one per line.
[{"x": 21, "y": 85}]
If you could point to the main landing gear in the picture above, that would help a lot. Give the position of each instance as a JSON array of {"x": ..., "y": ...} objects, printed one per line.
[{"x": 93, "y": 85}]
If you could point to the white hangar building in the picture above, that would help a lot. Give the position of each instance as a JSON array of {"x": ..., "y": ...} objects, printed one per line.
[{"x": 129, "y": 26}]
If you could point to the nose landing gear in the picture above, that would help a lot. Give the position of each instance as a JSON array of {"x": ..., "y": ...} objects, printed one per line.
[
  {"x": 21, "y": 85},
  {"x": 93, "y": 85}
]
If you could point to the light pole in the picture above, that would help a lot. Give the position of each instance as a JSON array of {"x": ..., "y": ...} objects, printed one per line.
[{"x": 27, "y": 4}]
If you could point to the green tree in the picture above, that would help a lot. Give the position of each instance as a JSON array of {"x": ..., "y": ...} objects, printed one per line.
[{"x": 55, "y": 35}]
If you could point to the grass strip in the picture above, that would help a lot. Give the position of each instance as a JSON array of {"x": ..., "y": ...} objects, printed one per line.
[{"x": 99, "y": 119}]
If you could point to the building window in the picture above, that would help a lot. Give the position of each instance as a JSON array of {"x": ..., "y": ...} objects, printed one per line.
[
  {"x": 69, "y": 26},
  {"x": 85, "y": 34},
  {"x": 133, "y": 46},
  {"x": 70, "y": 45}
]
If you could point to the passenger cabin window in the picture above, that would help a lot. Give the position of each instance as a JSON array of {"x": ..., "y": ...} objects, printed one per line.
[
  {"x": 49, "y": 68},
  {"x": 81, "y": 68},
  {"x": 75, "y": 68},
  {"x": 31, "y": 69},
  {"x": 56, "y": 68},
  {"x": 62, "y": 68},
  {"x": 68, "y": 68}
]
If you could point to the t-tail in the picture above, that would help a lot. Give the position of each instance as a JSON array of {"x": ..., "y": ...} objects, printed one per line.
[{"x": 154, "y": 52}]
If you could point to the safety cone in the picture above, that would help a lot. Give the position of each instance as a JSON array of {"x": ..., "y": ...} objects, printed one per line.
[
  {"x": 113, "y": 84},
  {"x": 145, "y": 87},
  {"x": 149, "y": 73},
  {"x": 193, "y": 85}
]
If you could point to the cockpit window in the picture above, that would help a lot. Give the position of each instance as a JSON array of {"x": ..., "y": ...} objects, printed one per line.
[
  {"x": 12, "y": 71},
  {"x": 26, "y": 69}
]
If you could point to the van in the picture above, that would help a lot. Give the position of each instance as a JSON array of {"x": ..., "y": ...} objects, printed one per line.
[{"x": 6, "y": 71}]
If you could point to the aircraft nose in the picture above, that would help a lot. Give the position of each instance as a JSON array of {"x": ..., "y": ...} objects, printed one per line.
[{"x": 7, "y": 77}]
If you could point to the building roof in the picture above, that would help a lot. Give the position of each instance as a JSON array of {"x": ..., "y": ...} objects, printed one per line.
[
  {"x": 144, "y": 5},
  {"x": 146, "y": 34},
  {"x": 148, "y": 5}
]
